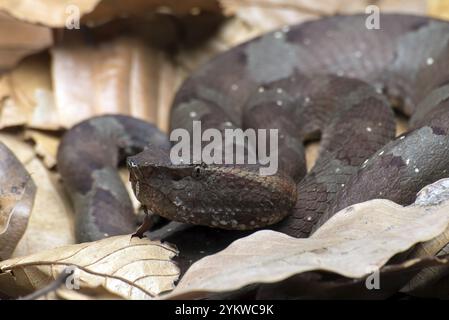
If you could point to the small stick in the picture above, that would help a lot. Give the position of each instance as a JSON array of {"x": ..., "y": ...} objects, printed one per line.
[{"x": 53, "y": 286}]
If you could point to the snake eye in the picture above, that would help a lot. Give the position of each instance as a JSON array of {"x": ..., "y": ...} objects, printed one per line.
[{"x": 197, "y": 170}]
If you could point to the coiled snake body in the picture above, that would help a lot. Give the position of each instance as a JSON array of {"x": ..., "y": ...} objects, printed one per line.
[{"x": 332, "y": 78}]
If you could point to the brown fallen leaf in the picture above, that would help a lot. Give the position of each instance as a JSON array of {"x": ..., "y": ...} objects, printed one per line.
[
  {"x": 118, "y": 76},
  {"x": 17, "y": 191},
  {"x": 132, "y": 268},
  {"x": 19, "y": 39},
  {"x": 355, "y": 242},
  {"x": 56, "y": 13}
]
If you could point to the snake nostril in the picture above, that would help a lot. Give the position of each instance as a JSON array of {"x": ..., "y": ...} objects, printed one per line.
[{"x": 130, "y": 163}]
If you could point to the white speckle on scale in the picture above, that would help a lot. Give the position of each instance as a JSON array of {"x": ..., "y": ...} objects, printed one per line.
[
  {"x": 234, "y": 87},
  {"x": 381, "y": 153},
  {"x": 278, "y": 35},
  {"x": 337, "y": 170},
  {"x": 358, "y": 54},
  {"x": 369, "y": 129},
  {"x": 430, "y": 61},
  {"x": 279, "y": 103},
  {"x": 342, "y": 185},
  {"x": 261, "y": 89},
  {"x": 309, "y": 218},
  {"x": 401, "y": 137},
  {"x": 228, "y": 123},
  {"x": 407, "y": 162},
  {"x": 279, "y": 90},
  {"x": 106, "y": 234},
  {"x": 340, "y": 73},
  {"x": 416, "y": 170},
  {"x": 192, "y": 114},
  {"x": 306, "y": 99}
]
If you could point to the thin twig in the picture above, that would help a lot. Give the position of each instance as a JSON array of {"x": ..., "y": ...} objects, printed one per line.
[{"x": 53, "y": 286}]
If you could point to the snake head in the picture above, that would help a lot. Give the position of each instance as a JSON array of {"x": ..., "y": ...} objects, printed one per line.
[{"x": 223, "y": 196}]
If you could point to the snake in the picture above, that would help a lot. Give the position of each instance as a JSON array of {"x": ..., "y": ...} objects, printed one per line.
[{"x": 334, "y": 79}]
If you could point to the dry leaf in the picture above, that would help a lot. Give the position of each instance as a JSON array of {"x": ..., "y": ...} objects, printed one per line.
[
  {"x": 323, "y": 285},
  {"x": 353, "y": 243},
  {"x": 56, "y": 13},
  {"x": 19, "y": 39},
  {"x": 45, "y": 145},
  {"x": 27, "y": 95},
  {"x": 267, "y": 15},
  {"x": 422, "y": 284},
  {"x": 51, "y": 222},
  {"x": 129, "y": 267},
  {"x": 17, "y": 191},
  {"x": 84, "y": 293},
  {"x": 120, "y": 76},
  {"x": 438, "y": 8}
]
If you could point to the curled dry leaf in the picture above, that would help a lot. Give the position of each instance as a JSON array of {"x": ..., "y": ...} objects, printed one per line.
[
  {"x": 353, "y": 243},
  {"x": 51, "y": 220},
  {"x": 19, "y": 39},
  {"x": 118, "y": 76},
  {"x": 17, "y": 191},
  {"x": 132, "y": 268}
]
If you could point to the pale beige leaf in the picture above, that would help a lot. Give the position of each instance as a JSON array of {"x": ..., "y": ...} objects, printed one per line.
[
  {"x": 84, "y": 293},
  {"x": 52, "y": 13},
  {"x": 353, "y": 243},
  {"x": 124, "y": 175},
  {"x": 438, "y": 8},
  {"x": 267, "y": 15},
  {"x": 45, "y": 145},
  {"x": 129, "y": 267},
  {"x": 51, "y": 222},
  {"x": 28, "y": 97},
  {"x": 19, "y": 39},
  {"x": 21, "y": 150}
]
